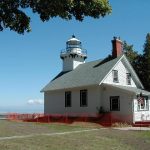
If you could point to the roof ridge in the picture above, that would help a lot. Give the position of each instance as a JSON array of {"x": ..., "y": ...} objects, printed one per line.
[{"x": 94, "y": 60}]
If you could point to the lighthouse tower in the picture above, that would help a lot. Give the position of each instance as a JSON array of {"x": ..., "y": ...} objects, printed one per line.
[{"x": 73, "y": 55}]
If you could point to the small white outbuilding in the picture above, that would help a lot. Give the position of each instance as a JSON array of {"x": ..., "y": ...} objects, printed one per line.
[{"x": 108, "y": 85}]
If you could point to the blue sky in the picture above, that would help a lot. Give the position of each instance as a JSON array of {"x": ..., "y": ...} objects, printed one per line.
[{"x": 28, "y": 62}]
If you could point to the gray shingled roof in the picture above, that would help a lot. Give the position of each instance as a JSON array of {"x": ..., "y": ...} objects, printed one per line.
[
  {"x": 129, "y": 89},
  {"x": 90, "y": 73}
]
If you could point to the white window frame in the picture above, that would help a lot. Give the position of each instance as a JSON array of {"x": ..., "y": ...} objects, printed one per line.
[
  {"x": 111, "y": 103},
  {"x": 128, "y": 78},
  {"x": 115, "y": 76},
  {"x": 67, "y": 99},
  {"x": 143, "y": 106},
  {"x": 82, "y": 98}
]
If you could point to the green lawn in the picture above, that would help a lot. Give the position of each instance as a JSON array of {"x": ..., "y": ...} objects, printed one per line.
[{"x": 103, "y": 139}]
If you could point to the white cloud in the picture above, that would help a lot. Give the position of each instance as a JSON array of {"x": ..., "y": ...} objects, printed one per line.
[{"x": 35, "y": 102}]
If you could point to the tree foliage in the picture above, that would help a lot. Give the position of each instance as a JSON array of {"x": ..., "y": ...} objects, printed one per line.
[
  {"x": 146, "y": 63},
  {"x": 133, "y": 56},
  {"x": 140, "y": 62},
  {"x": 13, "y": 16},
  {"x": 130, "y": 53}
]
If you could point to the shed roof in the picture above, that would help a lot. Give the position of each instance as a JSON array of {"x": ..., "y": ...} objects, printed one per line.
[{"x": 129, "y": 89}]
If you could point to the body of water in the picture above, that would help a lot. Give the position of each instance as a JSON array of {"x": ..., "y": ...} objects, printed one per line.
[{"x": 30, "y": 110}]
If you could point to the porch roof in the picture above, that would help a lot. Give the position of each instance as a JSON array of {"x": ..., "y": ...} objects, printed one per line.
[{"x": 129, "y": 89}]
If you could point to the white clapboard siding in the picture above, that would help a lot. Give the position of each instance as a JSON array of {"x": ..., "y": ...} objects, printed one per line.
[{"x": 122, "y": 70}]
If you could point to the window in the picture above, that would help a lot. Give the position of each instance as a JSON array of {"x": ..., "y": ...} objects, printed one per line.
[
  {"x": 143, "y": 103},
  {"x": 128, "y": 78},
  {"x": 114, "y": 103},
  {"x": 115, "y": 76},
  {"x": 83, "y": 98},
  {"x": 68, "y": 99}
]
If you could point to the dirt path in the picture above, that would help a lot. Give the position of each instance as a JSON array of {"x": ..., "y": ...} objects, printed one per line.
[
  {"x": 133, "y": 128},
  {"x": 46, "y": 134}
]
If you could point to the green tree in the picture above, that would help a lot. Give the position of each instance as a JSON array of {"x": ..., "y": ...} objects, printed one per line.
[
  {"x": 140, "y": 62},
  {"x": 135, "y": 59},
  {"x": 131, "y": 54},
  {"x": 146, "y": 63},
  {"x": 13, "y": 16}
]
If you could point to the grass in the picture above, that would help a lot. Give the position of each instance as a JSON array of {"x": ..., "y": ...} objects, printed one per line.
[
  {"x": 103, "y": 139},
  {"x": 13, "y": 128}
]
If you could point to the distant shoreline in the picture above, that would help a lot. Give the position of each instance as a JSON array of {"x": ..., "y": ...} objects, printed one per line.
[{"x": 3, "y": 116}]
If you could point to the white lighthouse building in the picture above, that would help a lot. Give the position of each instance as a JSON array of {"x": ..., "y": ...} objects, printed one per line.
[
  {"x": 104, "y": 85},
  {"x": 73, "y": 55}
]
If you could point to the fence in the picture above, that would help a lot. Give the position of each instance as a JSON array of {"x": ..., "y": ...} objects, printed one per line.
[{"x": 104, "y": 119}]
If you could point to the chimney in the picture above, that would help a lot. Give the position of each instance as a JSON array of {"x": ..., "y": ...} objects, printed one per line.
[{"x": 117, "y": 47}]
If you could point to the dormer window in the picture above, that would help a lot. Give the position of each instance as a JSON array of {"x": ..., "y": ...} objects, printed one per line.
[
  {"x": 128, "y": 75},
  {"x": 115, "y": 76}
]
